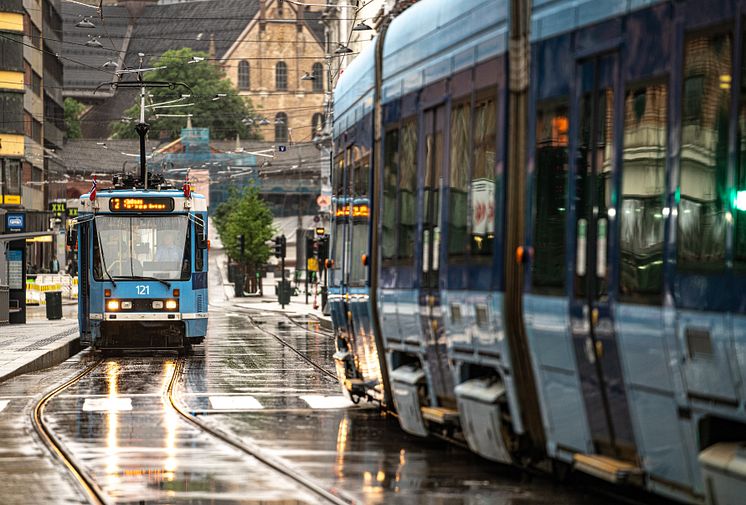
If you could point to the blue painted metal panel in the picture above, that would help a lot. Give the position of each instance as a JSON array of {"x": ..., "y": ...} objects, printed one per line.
[
  {"x": 739, "y": 345},
  {"x": 708, "y": 373},
  {"x": 432, "y": 40},
  {"x": 553, "y": 17},
  {"x": 642, "y": 345},
  {"x": 563, "y": 410},
  {"x": 660, "y": 437}
]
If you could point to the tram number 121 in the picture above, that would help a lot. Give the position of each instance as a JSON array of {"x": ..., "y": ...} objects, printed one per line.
[{"x": 142, "y": 289}]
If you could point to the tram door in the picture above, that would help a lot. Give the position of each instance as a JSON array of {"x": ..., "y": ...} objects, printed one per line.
[
  {"x": 431, "y": 317},
  {"x": 591, "y": 319}
]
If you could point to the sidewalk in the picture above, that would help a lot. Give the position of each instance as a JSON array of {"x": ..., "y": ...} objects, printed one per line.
[{"x": 37, "y": 344}]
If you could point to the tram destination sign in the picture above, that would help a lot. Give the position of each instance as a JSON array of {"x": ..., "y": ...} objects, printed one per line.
[{"x": 141, "y": 204}]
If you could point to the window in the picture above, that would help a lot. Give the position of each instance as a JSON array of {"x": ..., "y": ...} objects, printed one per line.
[
  {"x": 459, "y": 179},
  {"x": 31, "y": 31},
  {"x": 548, "y": 269},
  {"x": 362, "y": 174},
  {"x": 358, "y": 248},
  {"x": 643, "y": 194},
  {"x": 338, "y": 252},
  {"x": 31, "y": 127},
  {"x": 11, "y": 177},
  {"x": 199, "y": 252},
  {"x": 339, "y": 172},
  {"x": 317, "y": 123},
  {"x": 281, "y": 127},
  {"x": 483, "y": 177},
  {"x": 390, "y": 184},
  {"x": 739, "y": 190},
  {"x": 317, "y": 72},
  {"x": 243, "y": 75},
  {"x": 142, "y": 246},
  {"x": 704, "y": 152},
  {"x": 281, "y": 76},
  {"x": 408, "y": 191}
]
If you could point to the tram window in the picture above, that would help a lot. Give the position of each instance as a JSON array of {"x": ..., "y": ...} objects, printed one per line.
[
  {"x": 739, "y": 190},
  {"x": 142, "y": 246},
  {"x": 408, "y": 191},
  {"x": 704, "y": 152},
  {"x": 338, "y": 257},
  {"x": 548, "y": 270},
  {"x": 358, "y": 248},
  {"x": 484, "y": 177},
  {"x": 361, "y": 175},
  {"x": 339, "y": 166},
  {"x": 459, "y": 180},
  {"x": 199, "y": 252},
  {"x": 643, "y": 194},
  {"x": 390, "y": 183}
]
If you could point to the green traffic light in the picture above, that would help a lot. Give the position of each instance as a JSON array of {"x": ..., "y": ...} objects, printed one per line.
[{"x": 740, "y": 201}]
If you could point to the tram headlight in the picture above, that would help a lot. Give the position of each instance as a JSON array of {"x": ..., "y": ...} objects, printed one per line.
[
  {"x": 126, "y": 305},
  {"x": 112, "y": 305},
  {"x": 158, "y": 304},
  {"x": 171, "y": 304}
]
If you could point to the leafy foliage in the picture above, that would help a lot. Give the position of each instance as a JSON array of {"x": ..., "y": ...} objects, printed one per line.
[
  {"x": 206, "y": 80},
  {"x": 73, "y": 110},
  {"x": 245, "y": 213}
]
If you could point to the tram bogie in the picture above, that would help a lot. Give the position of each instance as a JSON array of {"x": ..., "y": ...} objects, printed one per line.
[
  {"x": 611, "y": 339},
  {"x": 143, "y": 260}
]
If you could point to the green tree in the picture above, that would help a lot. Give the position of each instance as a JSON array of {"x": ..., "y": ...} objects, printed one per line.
[
  {"x": 73, "y": 110},
  {"x": 245, "y": 213},
  {"x": 207, "y": 80}
]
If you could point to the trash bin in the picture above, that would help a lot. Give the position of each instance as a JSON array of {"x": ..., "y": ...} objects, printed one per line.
[
  {"x": 54, "y": 304},
  {"x": 283, "y": 292},
  {"x": 239, "y": 280}
]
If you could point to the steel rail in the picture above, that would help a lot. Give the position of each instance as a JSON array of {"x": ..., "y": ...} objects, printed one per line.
[
  {"x": 292, "y": 348},
  {"x": 88, "y": 485},
  {"x": 331, "y": 495}
]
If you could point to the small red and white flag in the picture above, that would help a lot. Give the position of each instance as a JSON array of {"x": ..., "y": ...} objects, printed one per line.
[
  {"x": 187, "y": 188},
  {"x": 93, "y": 189}
]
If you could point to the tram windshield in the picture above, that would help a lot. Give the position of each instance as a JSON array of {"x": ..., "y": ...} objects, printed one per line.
[{"x": 136, "y": 247}]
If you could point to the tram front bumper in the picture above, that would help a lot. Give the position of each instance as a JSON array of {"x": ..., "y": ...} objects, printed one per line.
[{"x": 147, "y": 316}]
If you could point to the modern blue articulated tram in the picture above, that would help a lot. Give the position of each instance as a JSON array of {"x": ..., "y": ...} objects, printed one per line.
[
  {"x": 142, "y": 263},
  {"x": 555, "y": 272}
]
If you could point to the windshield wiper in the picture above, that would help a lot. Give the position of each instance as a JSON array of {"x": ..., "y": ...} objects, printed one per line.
[{"x": 145, "y": 278}]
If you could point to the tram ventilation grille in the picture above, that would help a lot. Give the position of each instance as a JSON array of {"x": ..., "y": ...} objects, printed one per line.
[{"x": 201, "y": 305}]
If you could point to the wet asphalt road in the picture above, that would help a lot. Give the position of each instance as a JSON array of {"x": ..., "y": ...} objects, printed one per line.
[{"x": 120, "y": 427}]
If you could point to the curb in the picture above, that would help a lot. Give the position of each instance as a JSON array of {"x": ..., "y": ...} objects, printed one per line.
[{"x": 66, "y": 347}]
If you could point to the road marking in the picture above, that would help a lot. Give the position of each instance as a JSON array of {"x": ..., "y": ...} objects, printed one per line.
[
  {"x": 327, "y": 402},
  {"x": 115, "y": 404},
  {"x": 3, "y": 404},
  {"x": 235, "y": 403}
]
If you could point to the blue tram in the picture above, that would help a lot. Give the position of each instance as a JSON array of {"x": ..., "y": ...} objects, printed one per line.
[
  {"x": 142, "y": 263},
  {"x": 588, "y": 308}
]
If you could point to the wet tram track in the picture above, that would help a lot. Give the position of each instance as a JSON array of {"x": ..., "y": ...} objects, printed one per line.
[{"x": 98, "y": 492}]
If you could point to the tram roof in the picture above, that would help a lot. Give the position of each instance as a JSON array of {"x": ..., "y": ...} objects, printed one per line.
[{"x": 434, "y": 39}]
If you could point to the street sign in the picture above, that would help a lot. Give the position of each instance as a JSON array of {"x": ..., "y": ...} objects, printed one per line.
[
  {"x": 316, "y": 219},
  {"x": 15, "y": 222},
  {"x": 58, "y": 208},
  {"x": 282, "y": 149},
  {"x": 324, "y": 201}
]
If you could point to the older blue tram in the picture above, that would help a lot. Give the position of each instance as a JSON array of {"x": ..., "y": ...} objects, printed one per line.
[
  {"x": 613, "y": 339},
  {"x": 143, "y": 268}
]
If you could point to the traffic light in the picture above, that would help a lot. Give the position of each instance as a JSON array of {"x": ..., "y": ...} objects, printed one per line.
[
  {"x": 323, "y": 247},
  {"x": 241, "y": 243},
  {"x": 280, "y": 246}
]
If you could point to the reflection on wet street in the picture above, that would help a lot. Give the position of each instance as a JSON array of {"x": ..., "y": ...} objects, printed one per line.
[
  {"x": 121, "y": 428},
  {"x": 248, "y": 383},
  {"x": 263, "y": 380}
]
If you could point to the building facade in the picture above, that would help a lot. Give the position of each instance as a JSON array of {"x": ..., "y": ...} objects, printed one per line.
[{"x": 278, "y": 62}]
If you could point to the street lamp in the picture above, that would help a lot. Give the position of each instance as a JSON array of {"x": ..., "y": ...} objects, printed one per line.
[
  {"x": 361, "y": 27},
  {"x": 85, "y": 23},
  {"x": 342, "y": 49},
  {"x": 93, "y": 42}
]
